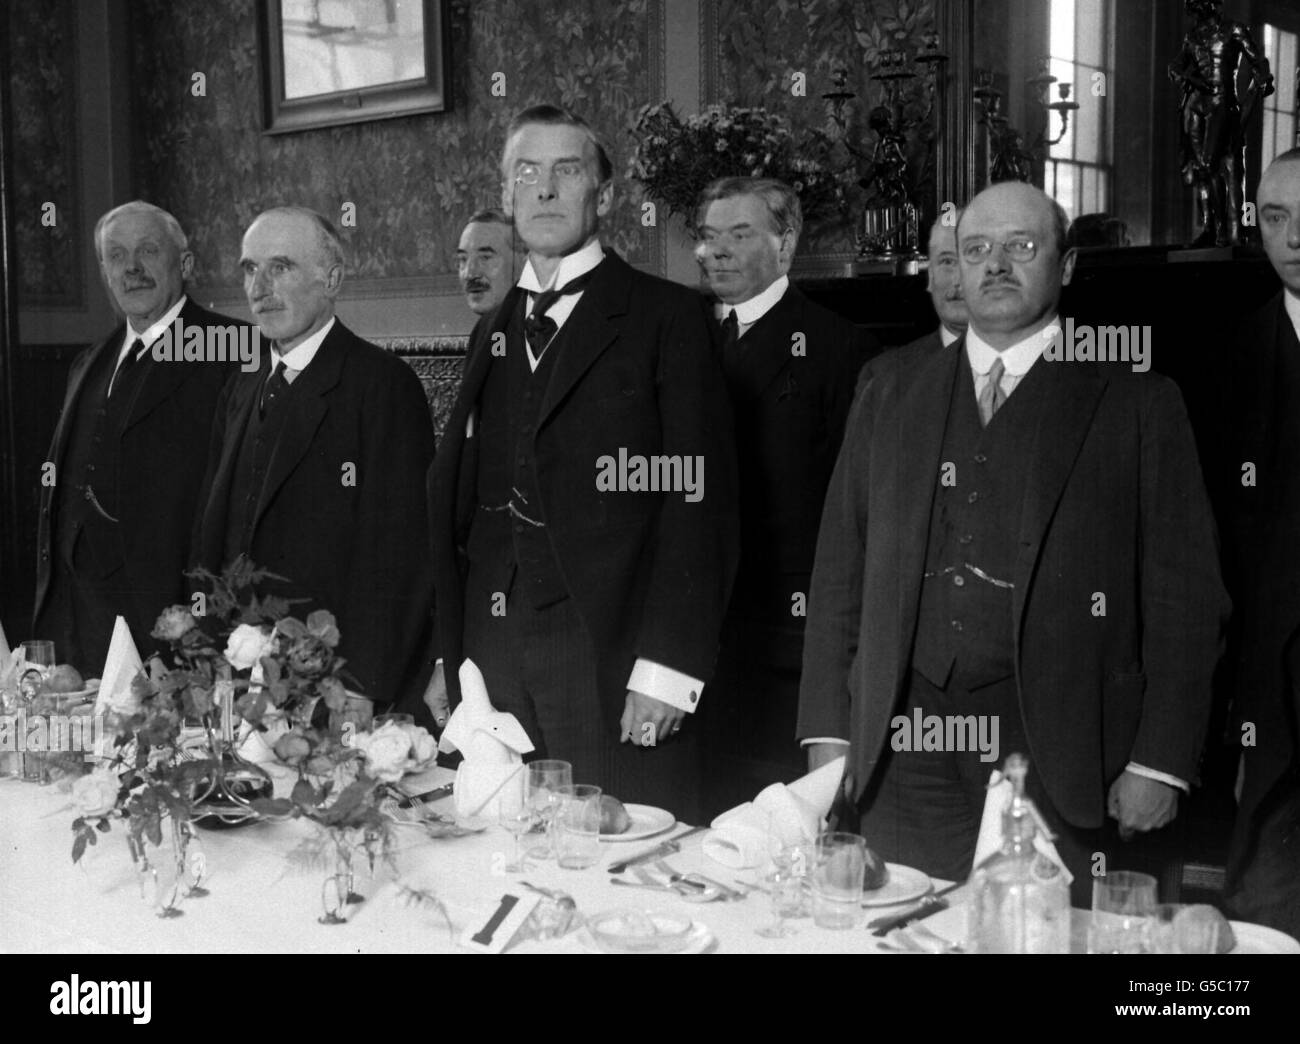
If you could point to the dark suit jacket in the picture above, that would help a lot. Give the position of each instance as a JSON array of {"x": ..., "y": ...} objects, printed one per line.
[
  {"x": 358, "y": 550},
  {"x": 1261, "y": 525},
  {"x": 1115, "y": 504},
  {"x": 163, "y": 453},
  {"x": 650, "y": 572},
  {"x": 789, "y": 412},
  {"x": 924, "y": 344}
]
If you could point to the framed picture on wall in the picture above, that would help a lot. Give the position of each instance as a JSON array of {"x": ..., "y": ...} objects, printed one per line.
[{"x": 330, "y": 62}]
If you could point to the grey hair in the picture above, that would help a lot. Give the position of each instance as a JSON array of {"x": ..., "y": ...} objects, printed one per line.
[
  {"x": 327, "y": 236},
  {"x": 139, "y": 206},
  {"x": 781, "y": 200}
]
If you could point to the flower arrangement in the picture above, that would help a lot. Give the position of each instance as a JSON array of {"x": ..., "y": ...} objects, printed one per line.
[
  {"x": 676, "y": 159},
  {"x": 243, "y": 656}
]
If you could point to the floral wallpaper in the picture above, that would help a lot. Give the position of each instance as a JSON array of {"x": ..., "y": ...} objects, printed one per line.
[
  {"x": 753, "y": 50},
  {"x": 414, "y": 180},
  {"x": 42, "y": 78}
]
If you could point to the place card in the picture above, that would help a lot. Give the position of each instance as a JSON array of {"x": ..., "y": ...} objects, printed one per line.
[{"x": 494, "y": 934}]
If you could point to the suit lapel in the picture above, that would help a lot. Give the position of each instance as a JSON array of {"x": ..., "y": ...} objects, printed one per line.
[
  {"x": 76, "y": 380},
  {"x": 161, "y": 379},
  {"x": 768, "y": 353},
  {"x": 243, "y": 397},
  {"x": 305, "y": 408},
  {"x": 922, "y": 421},
  {"x": 1070, "y": 397},
  {"x": 602, "y": 302}
]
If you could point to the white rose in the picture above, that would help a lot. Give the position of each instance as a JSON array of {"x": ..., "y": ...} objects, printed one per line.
[
  {"x": 95, "y": 794},
  {"x": 387, "y": 750},
  {"x": 124, "y": 701},
  {"x": 247, "y": 645},
  {"x": 423, "y": 746}
]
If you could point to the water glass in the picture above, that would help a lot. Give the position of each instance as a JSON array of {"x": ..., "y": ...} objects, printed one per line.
[
  {"x": 577, "y": 826},
  {"x": 838, "y": 873},
  {"x": 1121, "y": 903},
  {"x": 516, "y": 816},
  {"x": 1170, "y": 929},
  {"x": 545, "y": 778}
]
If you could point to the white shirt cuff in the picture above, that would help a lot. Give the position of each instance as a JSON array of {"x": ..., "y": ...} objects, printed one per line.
[
  {"x": 1163, "y": 777},
  {"x": 822, "y": 739},
  {"x": 663, "y": 683}
]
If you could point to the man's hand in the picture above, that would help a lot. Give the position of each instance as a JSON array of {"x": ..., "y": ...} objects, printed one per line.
[
  {"x": 646, "y": 721},
  {"x": 1140, "y": 803},
  {"x": 435, "y": 696}
]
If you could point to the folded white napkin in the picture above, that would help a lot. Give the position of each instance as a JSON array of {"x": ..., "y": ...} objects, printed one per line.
[
  {"x": 791, "y": 814},
  {"x": 493, "y": 744},
  {"x": 996, "y": 799},
  {"x": 121, "y": 666}
]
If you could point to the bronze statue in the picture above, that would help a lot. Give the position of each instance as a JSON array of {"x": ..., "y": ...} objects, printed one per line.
[{"x": 1215, "y": 107}]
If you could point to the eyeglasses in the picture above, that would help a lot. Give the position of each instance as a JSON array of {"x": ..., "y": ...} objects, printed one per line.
[
  {"x": 1019, "y": 249},
  {"x": 531, "y": 173}
]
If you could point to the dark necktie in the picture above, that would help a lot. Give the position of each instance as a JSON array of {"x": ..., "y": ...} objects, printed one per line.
[
  {"x": 538, "y": 329},
  {"x": 731, "y": 342},
  {"x": 274, "y": 388},
  {"x": 124, "y": 367}
]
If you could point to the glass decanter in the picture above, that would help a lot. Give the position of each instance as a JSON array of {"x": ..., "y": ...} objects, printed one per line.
[{"x": 1020, "y": 900}]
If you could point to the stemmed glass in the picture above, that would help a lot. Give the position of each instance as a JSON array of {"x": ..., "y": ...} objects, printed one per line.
[
  {"x": 517, "y": 815},
  {"x": 785, "y": 882},
  {"x": 38, "y": 662},
  {"x": 545, "y": 778}
]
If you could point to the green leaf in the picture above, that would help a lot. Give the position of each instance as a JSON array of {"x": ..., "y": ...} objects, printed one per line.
[
  {"x": 102, "y": 826},
  {"x": 272, "y": 806},
  {"x": 79, "y": 847},
  {"x": 304, "y": 794}
]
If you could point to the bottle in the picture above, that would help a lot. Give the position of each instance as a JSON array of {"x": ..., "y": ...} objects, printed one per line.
[{"x": 1020, "y": 901}]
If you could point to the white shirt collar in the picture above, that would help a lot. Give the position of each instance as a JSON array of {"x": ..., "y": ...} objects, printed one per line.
[
  {"x": 571, "y": 266},
  {"x": 1017, "y": 359},
  {"x": 1292, "y": 305},
  {"x": 751, "y": 311},
  {"x": 152, "y": 333},
  {"x": 300, "y": 356},
  {"x": 947, "y": 337}
]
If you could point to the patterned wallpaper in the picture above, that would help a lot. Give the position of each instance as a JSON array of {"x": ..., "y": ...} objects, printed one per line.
[
  {"x": 42, "y": 77},
  {"x": 750, "y": 51},
  {"x": 414, "y": 180}
]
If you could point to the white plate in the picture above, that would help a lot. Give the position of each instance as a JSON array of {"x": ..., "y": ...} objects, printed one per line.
[
  {"x": 905, "y": 883},
  {"x": 699, "y": 940},
  {"x": 647, "y": 821},
  {"x": 1258, "y": 938}
]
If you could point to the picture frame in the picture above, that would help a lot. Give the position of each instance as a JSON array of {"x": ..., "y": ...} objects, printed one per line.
[{"x": 328, "y": 63}]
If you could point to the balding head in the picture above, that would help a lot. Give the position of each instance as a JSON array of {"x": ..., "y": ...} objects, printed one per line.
[
  {"x": 1279, "y": 217},
  {"x": 1011, "y": 238}
]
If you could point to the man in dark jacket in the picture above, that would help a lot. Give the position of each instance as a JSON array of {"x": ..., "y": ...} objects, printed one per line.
[
  {"x": 318, "y": 460},
  {"x": 124, "y": 472}
]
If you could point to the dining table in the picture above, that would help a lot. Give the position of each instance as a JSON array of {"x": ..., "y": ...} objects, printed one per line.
[{"x": 264, "y": 895}]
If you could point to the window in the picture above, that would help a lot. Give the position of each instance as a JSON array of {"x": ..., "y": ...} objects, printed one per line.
[
  {"x": 1280, "y": 106},
  {"x": 1078, "y": 169}
]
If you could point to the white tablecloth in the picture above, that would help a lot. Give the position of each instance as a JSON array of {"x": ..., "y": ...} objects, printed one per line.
[{"x": 260, "y": 904}]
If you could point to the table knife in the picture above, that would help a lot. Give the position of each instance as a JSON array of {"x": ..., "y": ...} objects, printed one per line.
[
  {"x": 658, "y": 852},
  {"x": 931, "y": 904}
]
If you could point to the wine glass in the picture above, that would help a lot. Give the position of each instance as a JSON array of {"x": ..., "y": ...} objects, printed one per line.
[
  {"x": 785, "y": 889},
  {"x": 517, "y": 815},
  {"x": 545, "y": 778}
]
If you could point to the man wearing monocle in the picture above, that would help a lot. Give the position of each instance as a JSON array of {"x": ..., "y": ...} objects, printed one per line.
[
  {"x": 1017, "y": 538},
  {"x": 593, "y": 614},
  {"x": 129, "y": 451},
  {"x": 318, "y": 460},
  {"x": 790, "y": 367}
]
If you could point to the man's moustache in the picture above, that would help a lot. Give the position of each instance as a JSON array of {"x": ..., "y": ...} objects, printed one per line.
[{"x": 476, "y": 285}]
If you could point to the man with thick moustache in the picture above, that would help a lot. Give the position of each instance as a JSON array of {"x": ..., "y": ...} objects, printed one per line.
[
  {"x": 486, "y": 260},
  {"x": 1023, "y": 540},
  {"x": 318, "y": 460},
  {"x": 790, "y": 367},
  {"x": 1261, "y": 526},
  {"x": 593, "y": 614},
  {"x": 129, "y": 450}
]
